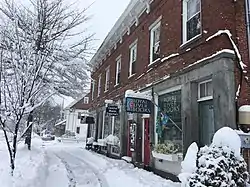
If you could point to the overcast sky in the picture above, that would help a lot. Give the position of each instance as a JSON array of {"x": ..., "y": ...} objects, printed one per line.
[{"x": 104, "y": 14}]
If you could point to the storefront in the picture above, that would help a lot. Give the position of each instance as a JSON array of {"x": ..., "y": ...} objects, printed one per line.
[{"x": 191, "y": 106}]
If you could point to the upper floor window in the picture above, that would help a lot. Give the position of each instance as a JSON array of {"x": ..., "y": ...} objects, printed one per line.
[
  {"x": 191, "y": 19},
  {"x": 155, "y": 31},
  {"x": 118, "y": 71},
  {"x": 99, "y": 85},
  {"x": 86, "y": 100},
  {"x": 93, "y": 89},
  {"x": 107, "y": 78},
  {"x": 133, "y": 56}
]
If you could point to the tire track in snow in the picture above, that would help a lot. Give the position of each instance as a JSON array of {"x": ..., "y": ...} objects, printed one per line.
[
  {"x": 100, "y": 177},
  {"x": 71, "y": 177}
]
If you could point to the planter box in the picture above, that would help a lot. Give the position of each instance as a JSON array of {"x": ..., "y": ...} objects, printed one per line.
[{"x": 168, "y": 157}]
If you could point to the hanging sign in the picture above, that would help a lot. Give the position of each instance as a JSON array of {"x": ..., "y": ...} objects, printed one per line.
[
  {"x": 138, "y": 105},
  {"x": 112, "y": 110}
]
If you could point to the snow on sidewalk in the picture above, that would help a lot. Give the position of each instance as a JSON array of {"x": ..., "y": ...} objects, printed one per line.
[
  {"x": 118, "y": 172},
  {"x": 30, "y": 166}
]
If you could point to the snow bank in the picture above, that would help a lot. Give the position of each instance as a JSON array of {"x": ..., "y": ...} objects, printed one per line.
[
  {"x": 145, "y": 95},
  {"x": 30, "y": 166},
  {"x": 228, "y": 137},
  {"x": 113, "y": 140},
  {"x": 189, "y": 164}
]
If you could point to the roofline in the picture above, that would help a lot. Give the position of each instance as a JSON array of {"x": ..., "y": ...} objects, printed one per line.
[{"x": 128, "y": 18}]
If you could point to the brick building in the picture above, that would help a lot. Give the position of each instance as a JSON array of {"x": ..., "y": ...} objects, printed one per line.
[{"x": 191, "y": 57}]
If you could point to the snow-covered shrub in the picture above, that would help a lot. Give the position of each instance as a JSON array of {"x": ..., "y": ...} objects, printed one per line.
[{"x": 217, "y": 165}]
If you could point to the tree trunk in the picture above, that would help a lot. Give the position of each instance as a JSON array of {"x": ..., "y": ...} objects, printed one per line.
[{"x": 29, "y": 131}]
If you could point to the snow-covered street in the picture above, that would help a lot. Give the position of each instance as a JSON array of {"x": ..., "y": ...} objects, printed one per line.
[
  {"x": 84, "y": 168},
  {"x": 55, "y": 164}
]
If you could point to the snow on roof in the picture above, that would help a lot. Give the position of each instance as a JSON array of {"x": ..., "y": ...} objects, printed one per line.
[
  {"x": 129, "y": 17},
  {"x": 228, "y": 33},
  {"x": 140, "y": 95},
  {"x": 244, "y": 108},
  {"x": 61, "y": 122}
]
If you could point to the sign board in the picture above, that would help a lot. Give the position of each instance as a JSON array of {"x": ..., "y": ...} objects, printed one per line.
[
  {"x": 112, "y": 110},
  {"x": 138, "y": 105}
]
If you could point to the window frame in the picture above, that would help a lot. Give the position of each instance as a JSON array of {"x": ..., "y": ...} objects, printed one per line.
[
  {"x": 152, "y": 29},
  {"x": 107, "y": 79},
  {"x": 118, "y": 60},
  {"x": 78, "y": 128},
  {"x": 99, "y": 85},
  {"x": 209, "y": 97},
  {"x": 185, "y": 20},
  {"x": 93, "y": 89},
  {"x": 86, "y": 100},
  {"x": 132, "y": 47}
]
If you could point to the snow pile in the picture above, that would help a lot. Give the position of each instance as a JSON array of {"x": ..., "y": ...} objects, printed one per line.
[
  {"x": 30, "y": 166},
  {"x": 189, "y": 163},
  {"x": 112, "y": 140},
  {"x": 169, "y": 57},
  {"x": 90, "y": 140},
  {"x": 217, "y": 165},
  {"x": 145, "y": 95},
  {"x": 102, "y": 142}
]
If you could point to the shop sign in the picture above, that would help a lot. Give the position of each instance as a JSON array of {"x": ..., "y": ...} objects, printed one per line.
[
  {"x": 112, "y": 110},
  {"x": 138, "y": 105}
]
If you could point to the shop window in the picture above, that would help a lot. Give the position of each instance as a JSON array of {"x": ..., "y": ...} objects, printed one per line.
[
  {"x": 205, "y": 90},
  {"x": 78, "y": 130},
  {"x": 169, "y": 124}
]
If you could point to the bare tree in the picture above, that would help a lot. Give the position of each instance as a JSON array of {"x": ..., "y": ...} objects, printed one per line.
[{"x": 42, "y": 52}]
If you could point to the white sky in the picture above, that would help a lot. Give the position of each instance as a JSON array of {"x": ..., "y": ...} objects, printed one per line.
[{"x": 104, "y": 14}]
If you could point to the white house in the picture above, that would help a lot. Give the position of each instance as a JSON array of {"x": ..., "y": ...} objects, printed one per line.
[{"x": 75, "y": 115}]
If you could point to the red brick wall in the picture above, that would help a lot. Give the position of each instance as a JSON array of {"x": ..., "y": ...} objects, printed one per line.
[{"x": 216, "y": 15}]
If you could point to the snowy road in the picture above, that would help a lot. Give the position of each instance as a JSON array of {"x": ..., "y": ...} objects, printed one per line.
[{"x": 73, "y": 166}]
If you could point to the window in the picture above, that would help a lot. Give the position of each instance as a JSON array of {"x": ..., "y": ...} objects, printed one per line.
[
  {"x": 107, "y": 77},
  {"x": 133, "y": 56},
  {"x": 99, "y": 85},
  {"x": 86, "y": 100},
  {"x": 205, "y": 90},
  {"x": 93, "y": 89},
  {"x": 155, "y": 41},
  {"x": 191, "y": 19},
  {"x": 79, "y": 115},
  {"x": 118, "y": 71},
  {"x": 169, "y": 122},
  {"x": 78, "y": 130}
]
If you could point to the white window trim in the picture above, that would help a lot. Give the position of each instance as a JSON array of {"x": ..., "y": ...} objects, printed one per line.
[
  {"x": 131, "y": 48},
  {"x": 199, "y": 89},
  {"x": 118, "y": 59},
  {"x": 99, "y": 85},
  {"x": 152, "y": 28},
  {"x": 107, "y": 79},
  {"x": 184, "y": 23},
  {"x": 93, "y": 89}
]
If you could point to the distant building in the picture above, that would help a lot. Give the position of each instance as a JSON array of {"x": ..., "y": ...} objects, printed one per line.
[{"x": 75, "y": 115}]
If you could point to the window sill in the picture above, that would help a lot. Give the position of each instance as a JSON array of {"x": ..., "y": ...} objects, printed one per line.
[
  {"x": 106, "y": 91},
  {"x": 205, "y": 98},
  {"x": 116, "y": 85},
  {"x": 130, "y": 76},
  {"x": 152, "y": 63},
  {"x": 192, "y": 40}
]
